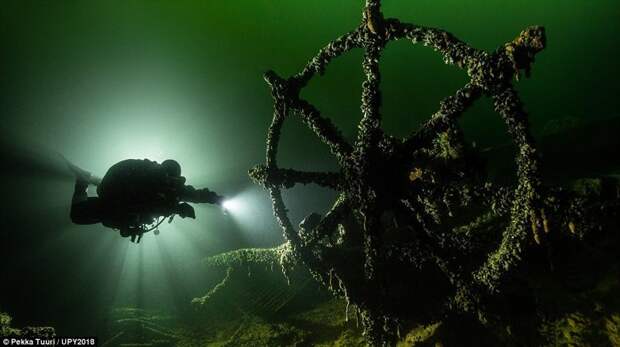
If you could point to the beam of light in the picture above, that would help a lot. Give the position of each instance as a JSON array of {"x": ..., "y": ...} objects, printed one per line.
[
  {"x": 243, "y": 207},
  {"x": 193, "y": 235},
  {"x": 115, "y": 274},
  {"x": 140, "y": 279},
  {"x": 234, "y": 205},
  {"x": 174, "y": 285},
  {"x": 250, "y": 211},
  {"x": 156, "y": 274}
]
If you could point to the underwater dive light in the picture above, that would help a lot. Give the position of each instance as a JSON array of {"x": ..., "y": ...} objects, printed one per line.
[{"x": 232, "y": 205}]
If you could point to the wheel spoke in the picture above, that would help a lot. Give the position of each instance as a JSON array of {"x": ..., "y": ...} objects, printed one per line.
[
  {"x": 450, "y": 109},
  {"x": 372, "y": 243},
  {"x": 330, "y": 222},
  {"x": 370, "y": 132},
  {"x": 323, "y": 128},
  {"x": 287, "y": 178}
]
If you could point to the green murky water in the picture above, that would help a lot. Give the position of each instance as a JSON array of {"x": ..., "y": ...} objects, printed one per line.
[{"x": 103, "y": 81}]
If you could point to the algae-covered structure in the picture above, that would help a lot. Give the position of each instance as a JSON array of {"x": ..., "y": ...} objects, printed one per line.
[
  {"x": 7, "y": 330},
  {"x": 420, "y": 234},
  {"x": 392, "y": 173}
]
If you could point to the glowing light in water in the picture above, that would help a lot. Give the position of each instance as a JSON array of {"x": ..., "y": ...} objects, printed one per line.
[
  {"x": 250, "y": 210},
  {"x": 234, "y": 205}
]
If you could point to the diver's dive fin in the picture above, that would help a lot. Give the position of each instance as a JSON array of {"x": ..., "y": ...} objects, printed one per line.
[{"x": 80, "y": 173}]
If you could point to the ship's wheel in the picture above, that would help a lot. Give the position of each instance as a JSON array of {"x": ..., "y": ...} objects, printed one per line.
[{"x": 405, "y": 179}]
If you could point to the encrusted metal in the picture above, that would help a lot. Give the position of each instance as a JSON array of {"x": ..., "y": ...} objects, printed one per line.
[{"x": 396, "y": 194}]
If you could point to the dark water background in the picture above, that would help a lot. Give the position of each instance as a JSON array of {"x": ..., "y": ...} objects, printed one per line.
[{"x": 103, "y": 81}]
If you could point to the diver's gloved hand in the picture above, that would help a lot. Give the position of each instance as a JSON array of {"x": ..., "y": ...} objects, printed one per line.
[
  {"x": 219, "y": 200},
  {"x": 185, "y": 210}
]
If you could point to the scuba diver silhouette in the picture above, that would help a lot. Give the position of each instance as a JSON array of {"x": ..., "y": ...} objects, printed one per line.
[{"x": 135, "y": 196}]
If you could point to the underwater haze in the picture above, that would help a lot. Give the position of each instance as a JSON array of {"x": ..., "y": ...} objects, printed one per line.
[{"x": 102, "y": 81}]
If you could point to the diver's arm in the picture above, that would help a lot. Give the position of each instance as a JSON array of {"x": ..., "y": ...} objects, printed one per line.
[{"x": 200, "y": 196}]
